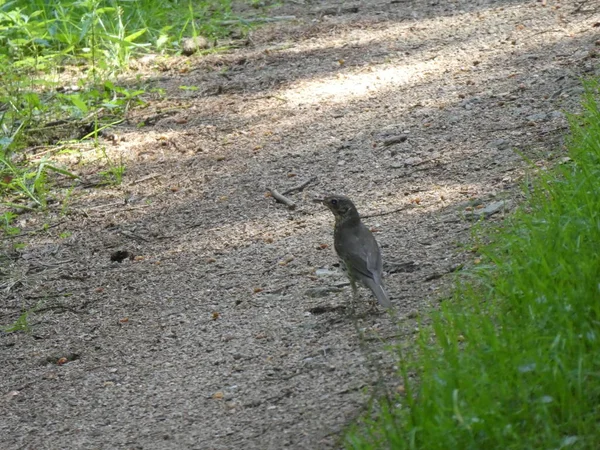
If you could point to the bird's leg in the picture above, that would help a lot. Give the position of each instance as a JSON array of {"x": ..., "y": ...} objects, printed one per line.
[{"x": 355, "y": 297}]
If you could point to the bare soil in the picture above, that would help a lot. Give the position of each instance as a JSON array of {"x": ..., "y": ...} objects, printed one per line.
[{"x": 229, "y": 326}]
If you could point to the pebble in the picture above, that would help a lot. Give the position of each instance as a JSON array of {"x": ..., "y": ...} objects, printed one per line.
[
  {"x": 490, "y": 209},
  {"x": 500, "y": 144},
  {"x": 325, "y": 272},
  {"x": 538, "y": 117}
]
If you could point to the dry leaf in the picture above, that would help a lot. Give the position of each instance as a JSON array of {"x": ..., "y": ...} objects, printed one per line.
[{"x": 286, "y": 261}]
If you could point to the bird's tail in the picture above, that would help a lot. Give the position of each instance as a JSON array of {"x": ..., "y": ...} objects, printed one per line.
[{"x": 376, "y": 285}]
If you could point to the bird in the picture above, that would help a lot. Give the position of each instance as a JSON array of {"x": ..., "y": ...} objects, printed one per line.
[{"x": 356, "y": 247}]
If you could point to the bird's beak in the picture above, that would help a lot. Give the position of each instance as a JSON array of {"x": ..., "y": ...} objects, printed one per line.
[{"x": 318, "y": 200}]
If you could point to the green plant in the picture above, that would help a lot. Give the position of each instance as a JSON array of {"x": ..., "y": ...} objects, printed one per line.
[
  {"x": 7, "y": 219},
  {"x": 114, "y": 173},
  {"x": 21, "y": 324},
  {"x": 56, "y": 62},
  {"x": 30, "y": 182}
]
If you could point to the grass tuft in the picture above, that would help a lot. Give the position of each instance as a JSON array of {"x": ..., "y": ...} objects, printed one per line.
[
  {"x": 513, "y": 361},
  {"x": 57, "y": 60}
]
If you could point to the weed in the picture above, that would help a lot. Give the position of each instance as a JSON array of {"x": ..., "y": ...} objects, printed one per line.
[
  {"x": 30, "y": 182},
  {"x": 114, "y": 174},
  {"x": 6, "y": 220},
  {"x": 22, "y": 322}
]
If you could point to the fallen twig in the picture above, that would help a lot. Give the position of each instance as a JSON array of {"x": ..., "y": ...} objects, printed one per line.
[
  {"x": 300, "y": 187},
  {"x": 385, "y": 213},
  {"x": 132, "y": 235},
  {"x": 282, "y": 198},
  {"x": 146, "y": 178},
  {"x": 131, "y": 208},
  {"x": 256, "y": 19},
  {"x": 107, "y": 205}
]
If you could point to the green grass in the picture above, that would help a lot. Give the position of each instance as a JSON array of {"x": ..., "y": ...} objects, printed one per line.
[
  {"x": 58, "y": 62},
  {"x": 513, "y": 361}
]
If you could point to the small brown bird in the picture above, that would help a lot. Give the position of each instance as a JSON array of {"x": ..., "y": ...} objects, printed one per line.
[{"x": 357, "y": 248}]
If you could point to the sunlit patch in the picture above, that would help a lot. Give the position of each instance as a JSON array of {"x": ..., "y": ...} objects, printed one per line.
[{"x": 357, "y": 85}]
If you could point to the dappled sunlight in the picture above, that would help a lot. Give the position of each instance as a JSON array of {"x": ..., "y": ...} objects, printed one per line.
[
  {"x": 276, "y": 228},
  {"x": 347, "y": 87},
  {"x": 226, "y": 135},
  {"x": 413, "y": 55},
  {"x": 404, "y": 60}
]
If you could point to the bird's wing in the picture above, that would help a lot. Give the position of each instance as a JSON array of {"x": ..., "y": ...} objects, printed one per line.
[{"x": 362, "y": 250}]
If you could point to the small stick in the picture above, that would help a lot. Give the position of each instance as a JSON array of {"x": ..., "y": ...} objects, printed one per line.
[
  {"x": 134, "y": 236},
  {"x": 121, "y": 203},
  {"x": 300, "y": 187},
  {"x": 131, "y": 208},
  {"x": 282, "y": 199},
  {"x": 146, "y": 178},
  {"x": 385, "y": 213},
  {"x": 256, "y": 19}
]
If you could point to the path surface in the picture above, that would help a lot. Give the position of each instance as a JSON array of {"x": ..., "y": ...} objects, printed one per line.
[{"x": 226, "y": 330}]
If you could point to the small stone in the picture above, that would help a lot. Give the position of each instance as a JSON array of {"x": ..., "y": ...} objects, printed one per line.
[
  {"x": 500, "y": 144},
  {"x": 413, "y": 161},
  {"x": 189, "y": 46},
  {"x": 538, "y": 117},
  {"x": 412, "y": 314},
  {"x": 491, "y": 209},
  {"x": 325, "y": 272},
  {"x": 395, "y": 140}
]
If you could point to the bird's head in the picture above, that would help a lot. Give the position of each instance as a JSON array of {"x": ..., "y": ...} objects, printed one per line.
[{"x": 341, "y": 207}]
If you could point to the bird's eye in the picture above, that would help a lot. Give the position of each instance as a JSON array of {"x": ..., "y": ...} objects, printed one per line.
[{"x": 334, "y": 201}]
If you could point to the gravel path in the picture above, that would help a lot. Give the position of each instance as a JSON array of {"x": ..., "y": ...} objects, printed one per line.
[{"x": 229, "y": 328}]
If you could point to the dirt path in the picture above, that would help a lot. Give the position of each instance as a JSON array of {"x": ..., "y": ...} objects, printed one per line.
[{"x": 227, "y": 330}]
